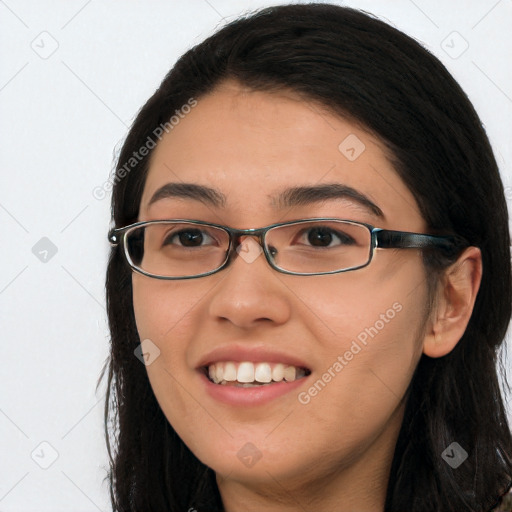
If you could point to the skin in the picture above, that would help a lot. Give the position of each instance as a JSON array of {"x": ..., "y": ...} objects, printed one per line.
[{"x": 336, "y": 449}]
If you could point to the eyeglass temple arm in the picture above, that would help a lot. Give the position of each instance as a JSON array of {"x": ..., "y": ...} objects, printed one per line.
[{"x": 387, "y": 239}]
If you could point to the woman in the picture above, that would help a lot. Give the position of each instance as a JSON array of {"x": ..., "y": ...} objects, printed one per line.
[{"x": 311, "y": 257}]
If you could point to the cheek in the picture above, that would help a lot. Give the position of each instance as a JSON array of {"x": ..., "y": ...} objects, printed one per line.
[
  {"x": 370, "y": 351},
  {"x": 147, "y": 309},
  {"x": 164, "y": 314},
  {"x": 387, "y": 307},
  {"x": 163, "y": 309}
]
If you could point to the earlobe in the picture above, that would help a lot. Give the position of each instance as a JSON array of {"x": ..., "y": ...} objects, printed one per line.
[{"x": 455, "y": 301}]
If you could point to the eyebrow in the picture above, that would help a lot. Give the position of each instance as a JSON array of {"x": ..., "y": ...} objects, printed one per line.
[{"x": 290, "y": 197}]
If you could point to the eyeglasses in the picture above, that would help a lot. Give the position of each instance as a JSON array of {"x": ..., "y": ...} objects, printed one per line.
[{"x": 186, "y": 249}]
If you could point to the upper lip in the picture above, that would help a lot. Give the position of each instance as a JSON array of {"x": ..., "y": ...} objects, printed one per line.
[{"x": 255, "y": 354}]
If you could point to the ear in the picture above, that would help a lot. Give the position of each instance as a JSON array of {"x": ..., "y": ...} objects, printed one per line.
[{"x": 454, "y": 303}]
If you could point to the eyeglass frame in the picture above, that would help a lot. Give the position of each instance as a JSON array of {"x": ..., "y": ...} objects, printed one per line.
[{"x": 380, "y": 239}]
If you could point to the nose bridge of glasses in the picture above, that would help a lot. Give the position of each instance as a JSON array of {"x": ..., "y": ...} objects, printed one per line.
[{"x": 239, "y": 236}]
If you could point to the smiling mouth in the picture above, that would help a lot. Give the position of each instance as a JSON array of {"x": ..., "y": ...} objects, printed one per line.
[{"x": 247, "y": 374}]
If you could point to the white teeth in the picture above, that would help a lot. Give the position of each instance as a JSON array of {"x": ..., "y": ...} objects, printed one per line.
[
  {"x": 263, "y": 373},
  {"x": 289, "y": 373},
  {"x": 246, "y": 373},
  {"x": 278, "y": 372},
  {"x": 219, "y": 372},
  {"x": 229, "y": 372}
]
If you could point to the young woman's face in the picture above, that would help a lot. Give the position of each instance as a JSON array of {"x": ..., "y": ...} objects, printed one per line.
[{"x": 356, "y": 333}]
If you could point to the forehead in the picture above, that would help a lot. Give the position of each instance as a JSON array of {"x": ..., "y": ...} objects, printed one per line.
[{"x": 251, "y": 146}]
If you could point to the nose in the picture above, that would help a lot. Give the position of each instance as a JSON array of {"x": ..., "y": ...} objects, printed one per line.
[{"x": 250, "y": 292}]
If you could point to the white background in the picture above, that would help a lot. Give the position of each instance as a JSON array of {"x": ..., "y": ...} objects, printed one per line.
[{"x": 61, "y": 117}]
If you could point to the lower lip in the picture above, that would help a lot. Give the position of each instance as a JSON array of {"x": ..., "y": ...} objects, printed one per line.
[{"x": 257, "y": 395}]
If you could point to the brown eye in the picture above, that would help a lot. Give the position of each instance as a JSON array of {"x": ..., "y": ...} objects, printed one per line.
[
  {"x": 323, "y": 237},
  {"x": 187, "y": 238}
]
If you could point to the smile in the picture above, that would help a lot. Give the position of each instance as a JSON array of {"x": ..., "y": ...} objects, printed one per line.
[{"x": 249, "y": 374}]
